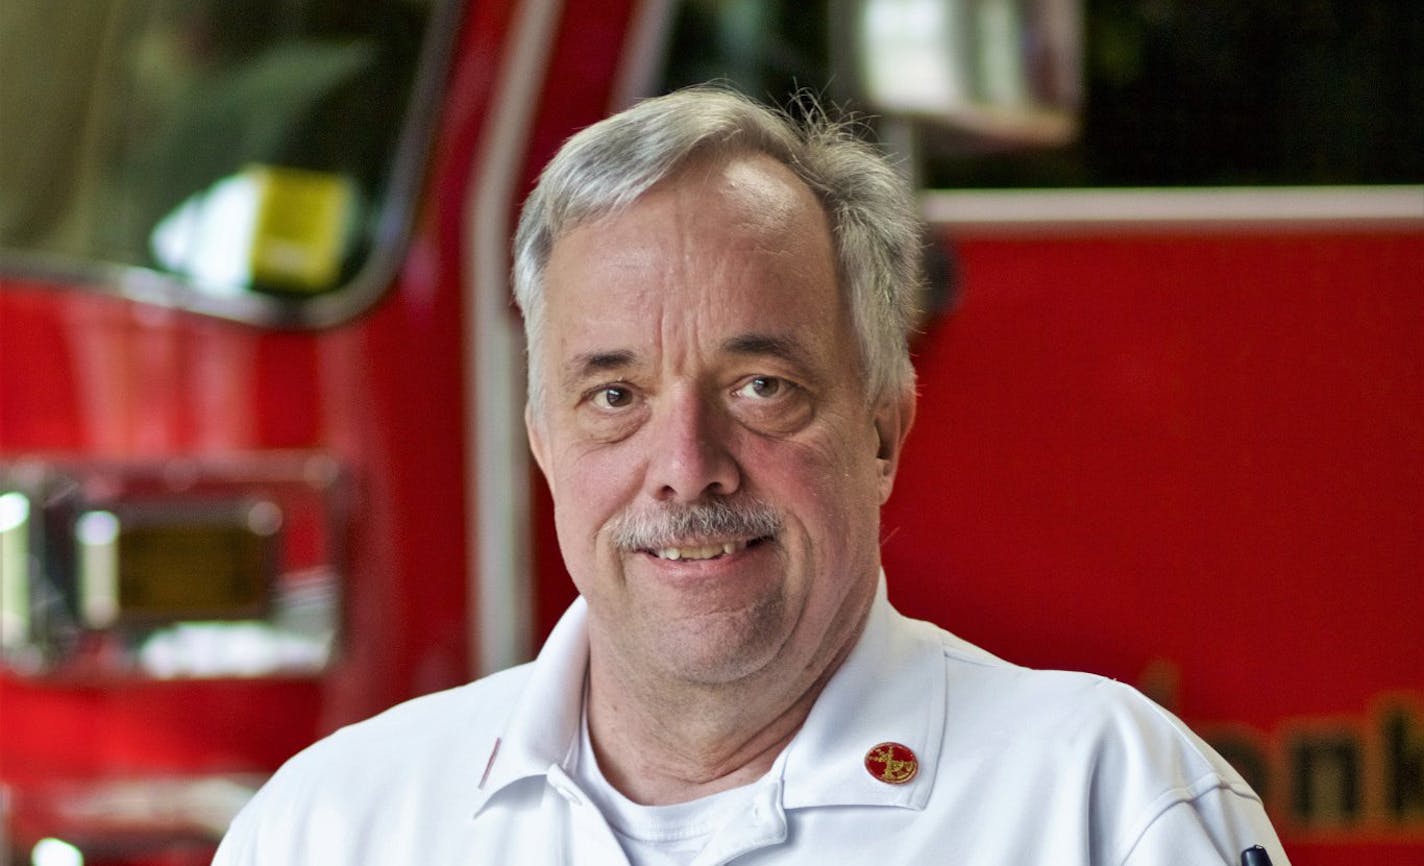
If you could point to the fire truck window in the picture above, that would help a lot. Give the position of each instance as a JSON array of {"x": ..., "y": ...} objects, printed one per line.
[
  {"x": 245, "y": 157},
  {"x": 1170, "y": 92}
]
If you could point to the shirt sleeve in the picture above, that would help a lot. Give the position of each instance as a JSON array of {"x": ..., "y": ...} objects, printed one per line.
[
  {"x": 236, "y": 848},
  {"x": 1212, "y": 828}
]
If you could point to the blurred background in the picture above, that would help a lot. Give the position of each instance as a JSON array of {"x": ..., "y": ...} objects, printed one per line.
[{"x": 262, "y": 466}]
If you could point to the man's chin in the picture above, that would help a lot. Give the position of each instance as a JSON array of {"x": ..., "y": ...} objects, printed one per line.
[{"x": 717, "y": 649}]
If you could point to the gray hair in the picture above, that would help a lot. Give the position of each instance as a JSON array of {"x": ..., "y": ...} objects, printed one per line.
[{"x": 609, "y": 165}]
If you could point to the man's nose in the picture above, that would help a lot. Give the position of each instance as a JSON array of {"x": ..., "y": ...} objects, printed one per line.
[{"x": 691, "y": 457}]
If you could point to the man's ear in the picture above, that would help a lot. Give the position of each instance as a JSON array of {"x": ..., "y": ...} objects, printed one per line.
[
  {"x": 538, "y": 445},
  {"x": 893, "y": 419}
]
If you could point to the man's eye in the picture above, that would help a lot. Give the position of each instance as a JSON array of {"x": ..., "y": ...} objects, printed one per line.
[
  {"x": 762, "y": 387},
  {"x": 612, "y": 397}
]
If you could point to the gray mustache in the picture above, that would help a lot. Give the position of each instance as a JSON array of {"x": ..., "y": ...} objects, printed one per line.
[{"x": 667, "y": 526}]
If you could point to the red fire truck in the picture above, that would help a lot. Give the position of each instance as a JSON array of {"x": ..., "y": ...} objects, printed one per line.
[{"x": 262, "y": 467}]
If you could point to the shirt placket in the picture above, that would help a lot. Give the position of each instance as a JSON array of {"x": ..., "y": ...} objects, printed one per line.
[
  {"x": 762, "y": 825},
  {"x": 590, "y": 840}
]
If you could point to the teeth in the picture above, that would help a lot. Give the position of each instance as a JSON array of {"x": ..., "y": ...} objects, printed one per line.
[{"x": 706, "y": 551}]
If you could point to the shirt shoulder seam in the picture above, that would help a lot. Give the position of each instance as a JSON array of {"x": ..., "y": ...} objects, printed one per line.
[{"x": 1171, "y": 798}]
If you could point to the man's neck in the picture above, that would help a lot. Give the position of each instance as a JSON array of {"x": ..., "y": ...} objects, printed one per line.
[{"x": 670, "y": 743}]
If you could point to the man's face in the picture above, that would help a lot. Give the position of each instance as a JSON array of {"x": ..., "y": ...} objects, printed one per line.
[{"x": 698, "y": 354}]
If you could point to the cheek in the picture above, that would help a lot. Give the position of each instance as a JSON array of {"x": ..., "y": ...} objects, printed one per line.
[
  {"x": 593, "y": 486},
  {"x": 841, "y": 456},
  {"x": 826, "y": 484},
  {"x": 577, "y": 522}
]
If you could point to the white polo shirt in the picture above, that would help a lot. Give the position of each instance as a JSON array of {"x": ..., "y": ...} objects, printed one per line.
[{"x": 1012, "y": 767}]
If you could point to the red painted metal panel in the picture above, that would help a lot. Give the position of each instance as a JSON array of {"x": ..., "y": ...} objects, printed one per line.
[{"x": 1187, "y": 446}]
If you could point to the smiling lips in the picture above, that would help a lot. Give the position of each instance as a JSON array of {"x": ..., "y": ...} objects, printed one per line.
[{"x": 705, "y": 551}]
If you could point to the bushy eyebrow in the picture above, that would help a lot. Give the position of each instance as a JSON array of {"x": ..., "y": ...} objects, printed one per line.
[
  {"x": 785, "y": 348},
  {"x": 586, "y": 365}
]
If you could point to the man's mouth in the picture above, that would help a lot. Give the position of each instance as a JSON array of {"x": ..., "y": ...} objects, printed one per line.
[{"x": 705, "y": 551}]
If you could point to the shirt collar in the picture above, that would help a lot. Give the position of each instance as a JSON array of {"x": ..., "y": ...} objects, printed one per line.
[
  {"x": 891, "y": 688},
  {"x": 544, "y": 721}
]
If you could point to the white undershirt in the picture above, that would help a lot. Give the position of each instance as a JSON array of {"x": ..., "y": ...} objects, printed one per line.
[{"x": 655, "y": 835}]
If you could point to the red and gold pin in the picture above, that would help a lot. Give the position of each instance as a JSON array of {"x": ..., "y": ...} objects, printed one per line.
[{"x": 892, "y": 763}]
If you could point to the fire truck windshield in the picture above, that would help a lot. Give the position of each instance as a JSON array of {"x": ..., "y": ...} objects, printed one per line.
[{"x": 250, "y": 158}]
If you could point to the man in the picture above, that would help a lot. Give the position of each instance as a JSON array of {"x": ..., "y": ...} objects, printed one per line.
[{"x": 716, "y": 306}]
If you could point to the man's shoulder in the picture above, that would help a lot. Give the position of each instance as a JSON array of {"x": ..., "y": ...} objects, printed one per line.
[
  {"x": 1070, "y": 716},
  {"x": 1100, "y": 763},
  {"x": 994, "y": 701},
  {"x": 1005, "y": 687},
  {"x": 376, "y": 782}
]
